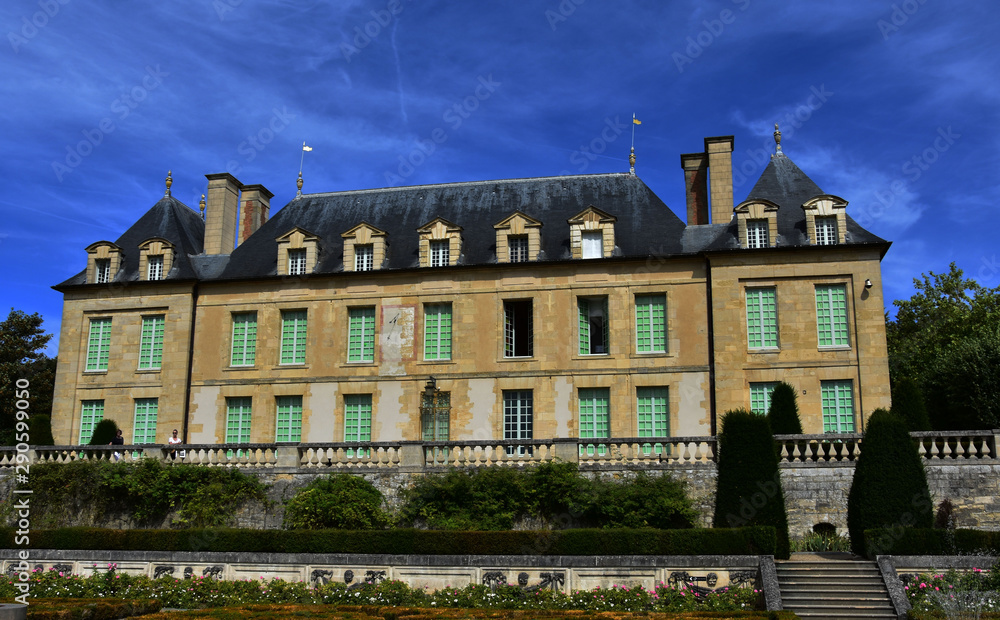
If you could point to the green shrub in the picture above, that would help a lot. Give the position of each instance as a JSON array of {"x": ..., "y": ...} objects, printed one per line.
[
  {"x": 144, "y": 492},
  {"x": 645, "y": 501},
  {"x": 783, "y": 414},
  {"x": 889, "y": 487},
  {"x": 40, "y": 430},
  {"x": 497, "y": 498},
  {"x": 748, "y": 489},
  {"x": 931, "y": 541},
  {"x": 908, "y": 403},
  {"x": 104, "y": 432},
  {"x": 341, "y": 501}
]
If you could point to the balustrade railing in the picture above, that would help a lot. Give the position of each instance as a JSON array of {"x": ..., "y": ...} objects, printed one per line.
[{"x": 828, "y": 449}]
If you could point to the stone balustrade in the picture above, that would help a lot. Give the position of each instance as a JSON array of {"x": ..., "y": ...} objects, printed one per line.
[{"x": 794, "y": 450}]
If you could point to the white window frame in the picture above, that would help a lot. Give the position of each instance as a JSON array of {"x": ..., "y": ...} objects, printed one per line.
[
  {"x": 364, "y": 257},
  {"x": 297, "y": 261},
  {"x": 518, "y": 248},
  {"x": 826, "y": 229},
  {"x": 592, "y": 244},
  {"x": 154, "y": 267},
  {"x": 102, "y": 269},
  {"x": 440, "y": 250},
  {"x": 757, "y": 233}
]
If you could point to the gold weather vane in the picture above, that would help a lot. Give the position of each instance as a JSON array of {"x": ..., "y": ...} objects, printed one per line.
[
  {"x": 201, "y": 206},
  {"x": 170, "y": 181},
  {"x": 631, "y": 157},
  {"x": 298, "y": 183}
]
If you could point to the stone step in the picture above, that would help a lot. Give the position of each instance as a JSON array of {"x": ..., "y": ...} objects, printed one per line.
[
  {"x": 833, "y": 581},
  {"x": 836, "y": 595}
]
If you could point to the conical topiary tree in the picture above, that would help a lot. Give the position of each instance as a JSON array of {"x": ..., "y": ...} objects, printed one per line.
[
  {"x": 783, "y": 414},
  {"x": 104, "y": 432},
  {"x": 748, "y": 488},
  {"x": 889, "y": 489},
  {"x": 908, "y": 403}
]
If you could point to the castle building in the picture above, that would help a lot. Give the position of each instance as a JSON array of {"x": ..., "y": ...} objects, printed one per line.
[{"x": 562, "y": 307}]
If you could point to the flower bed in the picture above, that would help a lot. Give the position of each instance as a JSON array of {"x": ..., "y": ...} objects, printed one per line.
[
  {"x": 206, "y": 592},
  {"x": 955, "y": 594}
]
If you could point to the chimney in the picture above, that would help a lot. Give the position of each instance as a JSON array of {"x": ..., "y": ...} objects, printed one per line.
[
  {"x": 695, "y": 167},
  {"x": 256, "y": 201},
  {"x": 220, "y": 213},
  {"x": 720, "y": 162}
]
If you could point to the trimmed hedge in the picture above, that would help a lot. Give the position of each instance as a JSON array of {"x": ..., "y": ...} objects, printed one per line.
[
  {"x": 928, "y": 541},
  {"x": 755, "y": 540},
  {"x": 889, "y": 488}
]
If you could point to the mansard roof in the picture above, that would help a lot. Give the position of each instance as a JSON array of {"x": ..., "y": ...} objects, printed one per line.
[
  {"x": 168, "y": 219},
  {"x": 784, "y": 184},
  {"x": 644, "y": 223}
]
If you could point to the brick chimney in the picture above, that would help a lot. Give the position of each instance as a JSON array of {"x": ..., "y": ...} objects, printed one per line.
[
  {"x": 256, "y": 201},
  {"x": 720, "y": 164},
  {"x": 695, "y": 167},
  {"x": 221, "y": 208}
]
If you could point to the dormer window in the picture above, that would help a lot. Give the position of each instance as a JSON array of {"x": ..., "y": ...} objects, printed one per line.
[
  {"x": 154, "y": 269},
  {"x": 440, "y": 251},
  {"x": 104, "y": 260},
  {"x": 757, "y": 234},
  {"x": 440, "y": 243},
  {"x": 826, "y": 220},
  {"x": 297, "y": 262},
  {"x": 365, "y": 248},
  {"x": 102, "y": 270},
  {"x": 592, "y": 234},
  {"x": 364, "y": 257},
  {"x": 519, "y": 238},
  {"x": 156, "y": 257},
  {"x": 298, "y": 252},
  {"x": 757, "y": 223}
]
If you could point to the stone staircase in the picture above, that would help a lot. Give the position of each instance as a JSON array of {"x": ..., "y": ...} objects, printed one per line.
[{"x": 824, "y": 589}]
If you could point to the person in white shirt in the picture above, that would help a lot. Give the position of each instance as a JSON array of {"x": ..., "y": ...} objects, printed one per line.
[{"x": 174, "y": 439}]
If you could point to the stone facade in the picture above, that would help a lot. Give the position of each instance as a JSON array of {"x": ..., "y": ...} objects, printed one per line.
[{"x": 531, "y": 344}]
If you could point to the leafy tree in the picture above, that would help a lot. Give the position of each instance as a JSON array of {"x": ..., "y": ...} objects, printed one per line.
[
  {"x": 908, "y": 403},
  {"x": 783, "y": 414},
  {"x": 748, "y": 487},
  {"x": 341, "y": 501},
  {"x": 965, "y": 385},
  {"x": 104, "y": 432},
  {"x": 22, "y": 342},
  {"x": 889, "y": 487}
]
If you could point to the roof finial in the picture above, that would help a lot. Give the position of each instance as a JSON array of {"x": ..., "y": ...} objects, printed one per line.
[
  {"x": 201, "y": 206},
  {"x": 299, "y": 185},
  {"x": 631, "y": 161},
  {"x": 170, "y": 181},
  {"x": 777, "y": 138}
]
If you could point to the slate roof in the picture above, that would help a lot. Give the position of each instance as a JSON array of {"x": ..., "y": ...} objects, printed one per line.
[
  {"x": 644, "y": 223},
  {"x": 784, "y": 184},
  {"x": 169, "y": 219}
]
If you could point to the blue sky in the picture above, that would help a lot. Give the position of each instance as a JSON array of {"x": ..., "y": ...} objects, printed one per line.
[{"x": 891, "y": 105}]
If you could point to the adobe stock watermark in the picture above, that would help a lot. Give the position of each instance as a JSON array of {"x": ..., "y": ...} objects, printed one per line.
[
  {"x": 898, "y": 17},
  {"x": 756, "y": 158},
  {"x": 258, "y": 141},
  {"x": 225, "y": 7},
  {"x": 890, "y": 534},
  {"x": 364, "y": 35},
  {"x": 455, "y": 116},
  {"x": 22, "y": 507},
  {"x": 586, "y": 153},
  {"x": 988, "y": 270},
  {"x": 912, "y": 169},
  {"x": 562, "y": 12},
  {"x": 121, "y": 107},
  {"x": 31, "y": 26},
  {"x": 697, "y": 44}
]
